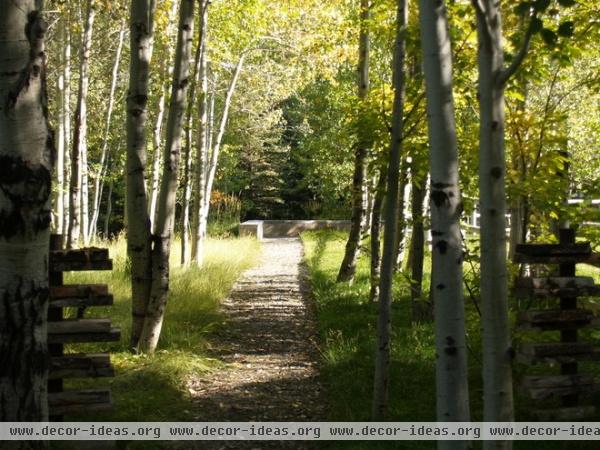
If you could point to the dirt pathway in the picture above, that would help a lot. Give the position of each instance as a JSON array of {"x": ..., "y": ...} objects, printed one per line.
[{"x": 269, "y": 347}]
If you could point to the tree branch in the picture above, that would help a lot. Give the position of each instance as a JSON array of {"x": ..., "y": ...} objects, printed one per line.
[
  {"x": 505, "y": 74},
  {"x": 482, "y": 19}
]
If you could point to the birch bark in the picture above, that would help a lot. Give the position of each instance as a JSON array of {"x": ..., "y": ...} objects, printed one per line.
[
  {"x": 382, "y": 353},
  {"x": 165, "y": 218},
  {"x": 138, "y": 221},
  {"x": 348, "y": 266},
  {"x": 451, "y": 367},
  {"x": 26, "y": 149}
]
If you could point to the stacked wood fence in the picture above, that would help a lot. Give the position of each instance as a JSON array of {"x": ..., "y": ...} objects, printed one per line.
[
  {"x": 564, "y": 317},
  {"x": 63, "y": 331}
]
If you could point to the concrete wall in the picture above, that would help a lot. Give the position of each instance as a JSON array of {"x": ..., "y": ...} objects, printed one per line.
[{"x": 292, "y": 228}]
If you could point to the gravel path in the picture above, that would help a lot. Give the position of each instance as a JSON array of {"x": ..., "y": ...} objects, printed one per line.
[{"x": 269, "y": 345}]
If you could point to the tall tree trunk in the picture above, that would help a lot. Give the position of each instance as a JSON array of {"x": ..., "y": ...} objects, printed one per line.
[
  {"x": 420, "y": 310},
  {"x": 165, "y": 64},
  {"x": 108, "y": 209},
  {"x": 214, "y": 157},
  {"x": 138, "y": 221},
  {"x": 202, "y": 146},
  {"x": 401, "y": 235},
  {"x": 451, "y": 365},
  {"x": 78, "y": 185},
  {"x": 187, "y": 169},
  {"x": 156, "y": 155},
  {"x": 26, "y": 150},
  {"x": 380, "y": 191},
  {"x": 59, "y": 219},
  {"x": 348, "y": 266},
  {"x": 497, "y": 374},
  {"x": 66, "y": 103},
  {"x": 165, "y": 218},
  {"x": 382, "y": 352},
  {"x": 104, "y": 155}
]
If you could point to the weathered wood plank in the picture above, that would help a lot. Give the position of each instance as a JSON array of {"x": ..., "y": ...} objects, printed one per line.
[
  {"x": 77, "y": 290},
  {"x": 80, "y": 259},
  {"x": 560, "y": 414},
  {"x": 556, "y": 319},
  {"x": 70, "y": 326},
  {"x": 531, "y": 359},
  {"x": 563, "y": 249},
  {"x": 554, "y": 282},
  {"x": 554, "y": 259},
  {"x": 72, "y": 402},
  {"x": 81, "y": 365},
  {"x": 556, "y": 392},
  {"x": 550, "y": 349},
  {"x": 63, "y": 338},
  {"x": 532, "y": 293},
  {"x": 96, "y": 300},
  {"x": 555, "y": 381}
]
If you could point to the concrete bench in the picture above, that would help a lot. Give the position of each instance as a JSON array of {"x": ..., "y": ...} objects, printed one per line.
[
  {"x": 288, "y": 228},
  {"x": 252, "y": 228}
]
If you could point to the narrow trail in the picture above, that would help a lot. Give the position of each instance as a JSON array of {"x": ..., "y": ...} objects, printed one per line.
[{"x": 269, "y": 347}]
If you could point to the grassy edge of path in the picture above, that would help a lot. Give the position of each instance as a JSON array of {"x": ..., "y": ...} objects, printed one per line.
[{"x": 153, "y": 388}]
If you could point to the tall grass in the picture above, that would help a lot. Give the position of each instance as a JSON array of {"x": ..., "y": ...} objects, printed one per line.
[
  {"x": 154, "y": 387},
  {"x": 347, "y": 328}
]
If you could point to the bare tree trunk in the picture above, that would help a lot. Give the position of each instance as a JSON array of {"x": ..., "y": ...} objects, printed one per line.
[
  {"x": 202, "y": 146},
  {"x": 165, "y": 64},
  {"x": 99, "y": 181},
  {"x": 348, "y": 266},
  {"x": 451, "y": 364},
  {"x": 78, "y": 185},
  {"x": 380, "y": 191},
  {"x": 214, "y": 157},
  {"x": 138, "y": 221},
  {"x": 108, "y": 209},
  {"x": 157, "y": 133},
  {"x": 497, "y": 372},
  {"x": 66, "y": 103},
  {"x": 187, "y": 170},
  {"x": 382, "y": 352},
  {"x": 61, "y": 147},
  {"x": 165, "y": 218},
  {"x": 401, "y": 234},
  {"x": 26, "y": 149},
  {"x": 420, "y": 308}
]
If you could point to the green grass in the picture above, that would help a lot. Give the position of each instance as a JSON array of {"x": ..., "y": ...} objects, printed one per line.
[
  {"x": 347, "y": 328},
  {"x": 153, "y": 388}
]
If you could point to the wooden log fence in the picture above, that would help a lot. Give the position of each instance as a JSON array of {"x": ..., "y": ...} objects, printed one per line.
[{"x": 62, "y": 331}]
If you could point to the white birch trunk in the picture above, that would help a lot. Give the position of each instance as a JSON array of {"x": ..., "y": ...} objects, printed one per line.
[
  {"x": 66, "y": 103},
  {"x": 157, "y": 133},
  {"x": 138, "y": 221},
  {"x": 202, "y": 146},
  {"x": 381, "y": 382},
  {"x": 99, "y": 180},
  {"x": 451, "y": 366},
  {"x": 83, "y": 93},
  {"x": 25, "y": 216},
  {"x": 78, "y": 222},
  {"x": 59, "y": 218},
  {"x": 189, "y": 142},
  {"x": 359, "y": 178},
  {"x": 497, "y": 350},
  {"x": 165, "y": 63},
  {"x": 165, "y": 218},
  {"x": 214, "y": 157}
]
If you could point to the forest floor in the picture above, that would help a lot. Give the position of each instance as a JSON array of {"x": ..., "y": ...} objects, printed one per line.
[{"x": 269, "y": 347}]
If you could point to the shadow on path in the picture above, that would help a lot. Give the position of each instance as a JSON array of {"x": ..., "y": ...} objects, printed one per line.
[{"x": 269, "y": 345}]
